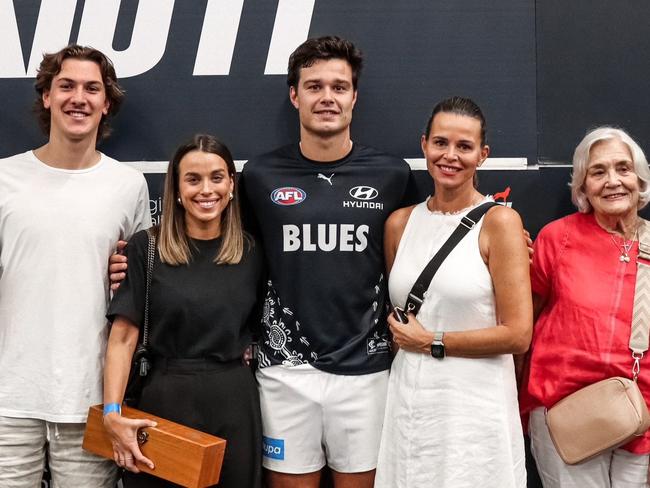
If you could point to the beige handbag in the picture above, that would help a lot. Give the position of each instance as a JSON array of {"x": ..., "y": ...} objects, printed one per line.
[{"x": 611, "y": 412}]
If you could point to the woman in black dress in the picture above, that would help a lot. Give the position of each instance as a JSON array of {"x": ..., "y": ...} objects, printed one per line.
[{"x": 203, "y": 300}]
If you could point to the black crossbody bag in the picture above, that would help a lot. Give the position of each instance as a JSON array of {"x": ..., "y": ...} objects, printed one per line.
[{"x": 416, "y": 295}]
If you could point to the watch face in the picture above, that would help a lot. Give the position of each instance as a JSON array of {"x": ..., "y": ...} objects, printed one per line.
[{"x": 438, "y": 351}]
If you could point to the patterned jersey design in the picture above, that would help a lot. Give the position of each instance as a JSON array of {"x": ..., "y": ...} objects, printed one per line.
[{"x": 282, "y": 339}]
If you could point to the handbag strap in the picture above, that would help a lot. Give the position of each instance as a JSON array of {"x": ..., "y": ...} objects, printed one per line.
[
  {"x": 151, "y": 253},
  {"x": 641, "y": 313},
  {"x": 421, "y": 285}
]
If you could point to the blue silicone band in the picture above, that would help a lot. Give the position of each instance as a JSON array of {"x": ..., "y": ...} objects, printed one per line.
[{"x": 112, "y": 407}]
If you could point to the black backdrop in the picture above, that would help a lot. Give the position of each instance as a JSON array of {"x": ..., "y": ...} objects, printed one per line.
[
  {"x": 416, "y": 51},
  {"x": 542, "y": 71},
  {"x": 592, "y": 69}
]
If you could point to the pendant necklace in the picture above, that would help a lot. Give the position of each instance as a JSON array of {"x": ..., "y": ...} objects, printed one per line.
[{"x": 624, "y": 248}]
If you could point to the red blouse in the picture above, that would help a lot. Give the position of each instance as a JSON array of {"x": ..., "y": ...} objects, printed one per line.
[{"x": 582, "y": 335}]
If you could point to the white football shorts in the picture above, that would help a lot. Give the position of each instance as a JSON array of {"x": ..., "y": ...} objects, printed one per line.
[{"x": 311, "y": 418}]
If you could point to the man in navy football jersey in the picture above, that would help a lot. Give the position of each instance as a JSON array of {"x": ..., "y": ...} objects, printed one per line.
[{"x": 320, "y": 207}]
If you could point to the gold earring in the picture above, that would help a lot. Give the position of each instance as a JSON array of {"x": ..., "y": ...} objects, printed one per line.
[
  {"x": 180, "y": 202},
  {"x": 231, "y": 196}
]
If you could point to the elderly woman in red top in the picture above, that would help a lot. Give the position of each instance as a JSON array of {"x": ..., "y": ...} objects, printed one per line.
[{"x": 583, "y": 279}]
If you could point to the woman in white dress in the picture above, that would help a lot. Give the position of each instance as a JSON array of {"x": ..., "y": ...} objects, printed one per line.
[{"x": 451, "y": 416}]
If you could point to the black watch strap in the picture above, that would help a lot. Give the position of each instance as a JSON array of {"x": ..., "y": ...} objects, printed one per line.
[{"x": 438, "y": 346}]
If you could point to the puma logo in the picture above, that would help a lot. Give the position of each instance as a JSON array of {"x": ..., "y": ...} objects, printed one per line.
[{"x": 327, "y": 178}]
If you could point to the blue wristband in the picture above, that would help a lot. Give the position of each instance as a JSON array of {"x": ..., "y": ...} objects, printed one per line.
[{"x": 112, "y": 407}]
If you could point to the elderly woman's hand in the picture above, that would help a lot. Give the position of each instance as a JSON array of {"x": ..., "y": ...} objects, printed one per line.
[
  {"x": 411, "y": 336},
  {"x": 529, "y": 245},
  {"x": 124, "y": 437}
]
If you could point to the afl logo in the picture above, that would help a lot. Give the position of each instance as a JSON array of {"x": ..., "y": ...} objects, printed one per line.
[
  {"x": 288, "y": 195},
  {"x": 364, "y": 193}
]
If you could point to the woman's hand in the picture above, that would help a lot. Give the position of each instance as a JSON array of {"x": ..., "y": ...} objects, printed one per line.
[
  {"x": 124, "y": 437},
  {"x": 411, "y": 336}
]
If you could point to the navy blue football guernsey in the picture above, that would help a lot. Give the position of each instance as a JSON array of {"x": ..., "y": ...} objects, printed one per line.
[{"x": 322, "y": 227}]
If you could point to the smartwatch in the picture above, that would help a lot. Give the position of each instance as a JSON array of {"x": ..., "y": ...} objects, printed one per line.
[{"x": 438, "y": 347}]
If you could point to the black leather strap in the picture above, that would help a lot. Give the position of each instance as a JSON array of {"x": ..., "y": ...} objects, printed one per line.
[
  {"x": 416, "y": 296},
  {"x": 143, "y": 348},
  {"x": 151, "y": 252}
]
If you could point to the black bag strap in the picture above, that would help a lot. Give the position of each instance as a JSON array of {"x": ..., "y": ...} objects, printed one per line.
[
  {"x": 151, "y": 254},
  {"x": 416, "y": 296}
]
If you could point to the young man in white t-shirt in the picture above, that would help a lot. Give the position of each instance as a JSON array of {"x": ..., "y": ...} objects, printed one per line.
[{"x": 62, "y": 208}]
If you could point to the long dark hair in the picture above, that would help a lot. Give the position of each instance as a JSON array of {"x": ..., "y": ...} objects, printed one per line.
[{"x": 173, "y": 242}]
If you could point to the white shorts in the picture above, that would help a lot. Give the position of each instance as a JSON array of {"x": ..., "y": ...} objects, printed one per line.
[{"x": 311, "y": 418}]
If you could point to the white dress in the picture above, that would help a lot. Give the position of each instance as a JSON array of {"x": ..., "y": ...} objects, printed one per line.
[{"x": 449, "y": 423}]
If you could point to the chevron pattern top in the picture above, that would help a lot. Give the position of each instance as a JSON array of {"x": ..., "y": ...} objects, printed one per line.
[{"x": 641, "y": 313}]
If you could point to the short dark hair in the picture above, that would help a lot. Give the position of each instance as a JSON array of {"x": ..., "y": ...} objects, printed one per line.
[
  {"x": 324, "y": 48},
  {"x": 460, "y": 106},
  {"x": 51, "y": 66}
]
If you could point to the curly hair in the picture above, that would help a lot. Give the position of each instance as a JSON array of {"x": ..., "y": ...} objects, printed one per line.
[{"x": 51, "y": 66}]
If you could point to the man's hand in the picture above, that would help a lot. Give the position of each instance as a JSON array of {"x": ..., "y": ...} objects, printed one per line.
[
  {"x": 248, "y": 356},
  {"x": 117, "y": 266}
]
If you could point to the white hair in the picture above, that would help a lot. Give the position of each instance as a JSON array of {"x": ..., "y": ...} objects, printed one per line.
[{"x": 581, "y": 162}]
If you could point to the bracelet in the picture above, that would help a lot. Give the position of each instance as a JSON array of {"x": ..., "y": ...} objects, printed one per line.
[{"x": 112, "y": 407}]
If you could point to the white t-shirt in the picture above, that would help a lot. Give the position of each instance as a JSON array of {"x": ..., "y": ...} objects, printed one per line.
[{"x": 57, "y": 230}]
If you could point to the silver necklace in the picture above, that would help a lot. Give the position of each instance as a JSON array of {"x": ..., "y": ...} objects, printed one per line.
[{"x": 624, "y": 248}]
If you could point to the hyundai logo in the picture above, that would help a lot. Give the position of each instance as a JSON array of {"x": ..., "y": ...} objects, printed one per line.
[{"x": 364, "y": 192}]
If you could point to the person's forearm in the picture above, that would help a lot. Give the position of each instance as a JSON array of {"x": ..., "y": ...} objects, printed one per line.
[
  {"x": 117, "y": 366},
  {"x": 490, "y": 341},
  {"x": 471, "y": 343}
]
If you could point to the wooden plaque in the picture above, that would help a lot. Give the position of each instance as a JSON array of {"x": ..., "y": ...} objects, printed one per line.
[{"x": 180, "y": 454}]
